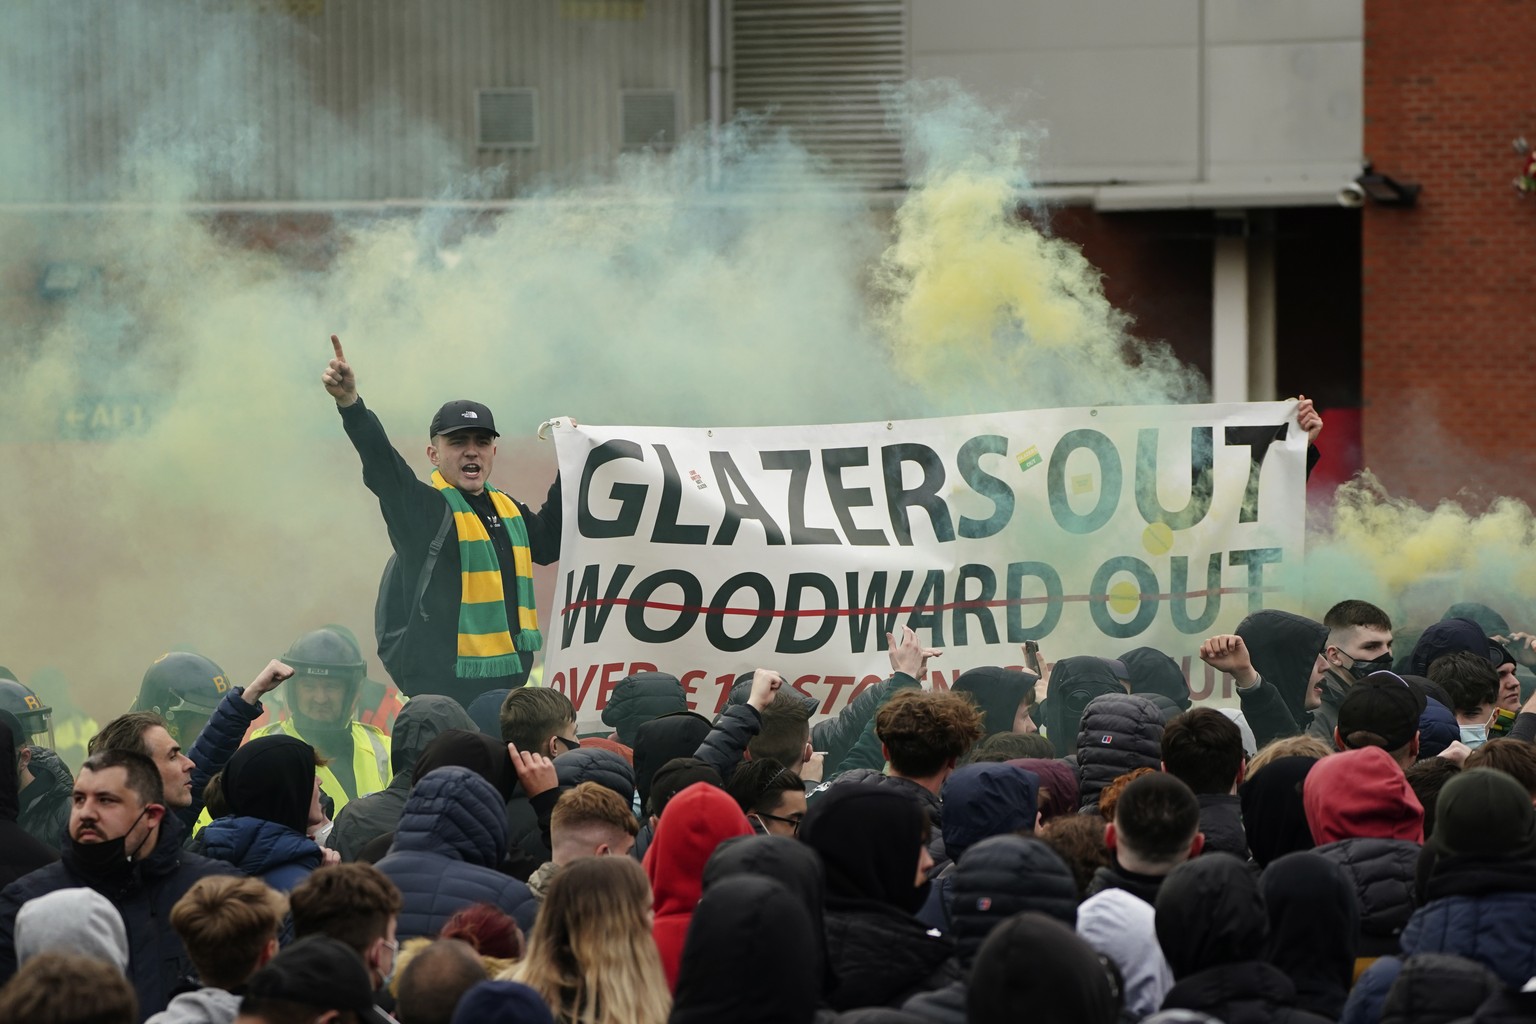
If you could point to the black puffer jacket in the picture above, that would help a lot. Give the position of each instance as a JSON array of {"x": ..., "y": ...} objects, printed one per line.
[
  {"x": 1221, "y": 822},
  {"x": 1120, "y": 733},
  {"x": 1433, "y": 988},
  {"x": 594, "y": 764},
  {"x": 1382, "y": 872},
  {"x": 421, "y": 721},
  {"x": 1073, "y": 685},
  {"x": 995, "y": 879},
  {"x": 665, "y": 739},
  {"x": 451, "y": 838},
  {"x": 640, "y": 698},
  {"x": 1212, "y": 925},
  {"x": 1153, "y": 672}
]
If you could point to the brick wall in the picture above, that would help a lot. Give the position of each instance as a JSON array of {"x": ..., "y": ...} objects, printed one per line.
[{"x": 1449, "y": 305}]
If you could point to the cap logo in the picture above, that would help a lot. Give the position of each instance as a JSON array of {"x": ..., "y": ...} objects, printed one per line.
[
  {"x": 470, "y": 414},
  {"x": 984, "y": 904}
]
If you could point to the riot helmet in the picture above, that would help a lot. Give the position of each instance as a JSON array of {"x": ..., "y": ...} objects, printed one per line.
[
  {"x": 328, "y": 671},
  {"x": 36, "y": 717},
  {"x": 184, "y": 689}
]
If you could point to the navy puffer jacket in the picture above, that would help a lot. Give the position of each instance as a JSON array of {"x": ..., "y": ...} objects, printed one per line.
[
  {"x": 1120, "y": 733},
  {"x": 452, "y": 835}
]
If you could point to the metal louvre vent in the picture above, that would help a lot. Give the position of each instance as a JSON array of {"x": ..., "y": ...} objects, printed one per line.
[
  {"x": 507, "y": 118},
  {"x": 819, "y": 68},
  {"x": 648, "y": 118}
]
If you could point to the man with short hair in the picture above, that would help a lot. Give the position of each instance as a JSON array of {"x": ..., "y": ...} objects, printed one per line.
[
  {"x": 317, "y": 980},
  {"x": 474, "y": 627},
  {"x": 229, "y": 925},
  {"x": 1515, "y": 758},
  {"x": 185, "y": 774},
  {"x": 589, "y": 820},
  {"x": 1156, "y": 828},
  {"x": 432, "y": 983},
  {"x": 124, "y": 845},
  {"x": 1381, "y": 710},
  {"x": 1203, "y": 748},
  {"x": 539, "y": 720},
  {"x": 61, "y": 988},
  {"x": 1359, "y": 643},
  {"x": 786, "y": 734},
  {"x": 355, "y": 903},
  {"x": 1473, "y": 686},
  {"x": 923, "y": 736}
]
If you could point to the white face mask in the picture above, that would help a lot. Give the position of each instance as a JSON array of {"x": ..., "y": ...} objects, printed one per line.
[{"x": 1474, "y": 736}]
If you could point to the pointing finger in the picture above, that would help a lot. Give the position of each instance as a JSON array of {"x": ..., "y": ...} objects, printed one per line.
[{"x": 336, "y": 344}]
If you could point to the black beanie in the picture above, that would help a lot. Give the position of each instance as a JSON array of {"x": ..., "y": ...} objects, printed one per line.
[{"x": 1484, "y": 813}]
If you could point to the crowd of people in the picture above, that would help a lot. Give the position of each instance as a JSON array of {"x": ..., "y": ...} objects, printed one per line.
[{"x": 1354, "y": 841}]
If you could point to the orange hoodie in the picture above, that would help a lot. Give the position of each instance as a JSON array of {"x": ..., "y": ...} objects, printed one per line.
[{"x": 695, "y": 821}]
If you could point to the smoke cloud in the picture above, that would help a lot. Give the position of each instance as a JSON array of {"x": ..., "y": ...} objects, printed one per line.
[{"x": 176, "y": 476}]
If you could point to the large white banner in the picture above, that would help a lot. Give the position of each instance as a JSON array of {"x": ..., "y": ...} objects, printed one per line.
[{"x": 709, "y": 552}]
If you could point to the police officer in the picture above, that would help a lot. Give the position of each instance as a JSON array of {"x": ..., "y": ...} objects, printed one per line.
[
  {"x": 321, "y": 699},
  {"x": 184, "y": 689},
  {"x": 44, "y": 781}
]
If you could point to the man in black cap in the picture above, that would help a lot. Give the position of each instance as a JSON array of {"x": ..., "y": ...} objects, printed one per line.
[
  {"x": 1381, "y": 710},
  {"x": 462, "y": 586},
  {"x": 317, "y": 978}
]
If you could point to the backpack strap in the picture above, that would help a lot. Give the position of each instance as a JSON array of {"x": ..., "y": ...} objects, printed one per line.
[{"x": 433, "y": 550}]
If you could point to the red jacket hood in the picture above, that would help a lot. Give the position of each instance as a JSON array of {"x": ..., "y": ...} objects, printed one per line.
[
  {"x": 695, "y": 821},
  {"x": 1361, "y": 794}
]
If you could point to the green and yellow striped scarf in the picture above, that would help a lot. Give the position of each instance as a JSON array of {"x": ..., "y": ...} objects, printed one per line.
[{"x": 487, "y": 646}]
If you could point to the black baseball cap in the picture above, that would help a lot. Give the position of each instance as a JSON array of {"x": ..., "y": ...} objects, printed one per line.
[
  {"x": 1385, "y": 704},
  {"x": 462, "y": 415},
  {"x": 320, "y": 972}
]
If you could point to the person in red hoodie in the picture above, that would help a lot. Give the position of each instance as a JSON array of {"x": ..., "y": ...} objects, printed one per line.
[
  {"x": 1365, "y": 818},
  {"x": 696, "y": 821}
]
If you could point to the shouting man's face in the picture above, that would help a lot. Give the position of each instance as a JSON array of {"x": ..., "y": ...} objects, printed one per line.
[{"x": 464, "y": 457}]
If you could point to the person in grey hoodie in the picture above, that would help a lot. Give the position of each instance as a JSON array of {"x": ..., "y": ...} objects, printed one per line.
[
  {"x": 79, "y": 921},
  {"x": 229, "y": 925},
  {"x": 421, "y": 721}
]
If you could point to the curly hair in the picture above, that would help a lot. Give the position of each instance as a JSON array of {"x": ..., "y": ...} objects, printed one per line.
[
  {"x": 1110, "y": 796},
  {"x": 1079, "y": 839},
  {"x": 924, "y": 731}
]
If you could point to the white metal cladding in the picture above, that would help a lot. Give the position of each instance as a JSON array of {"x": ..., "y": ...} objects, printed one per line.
[
  {"x": 649, "y": 118},
  {"x": 821, "y": 69},
  {"x": 354, "y": 100}
]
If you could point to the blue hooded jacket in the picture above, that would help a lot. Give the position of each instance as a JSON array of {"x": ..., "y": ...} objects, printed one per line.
[
  {"x": 980, "y": 801},
  {"x": 452, "y": 837},
  {"x": 262, "y": 849}
]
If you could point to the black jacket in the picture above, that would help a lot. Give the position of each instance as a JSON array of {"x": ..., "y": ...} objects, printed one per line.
[
  {"x": 1143, "y": 887},
  {"x": 1314, "y": 929},
  {"x": 925, "y": 798},
  {"x": 1381, "y": 871},
  {"x": 665, "y": 739},
  {"x": 215, "y": 745},
  {"x": 883, "y": 957},
  {"x": 1213, "y": 928},
  {"x": 413, "y": 512},
  {"x": 20, "y": 853},
  {"x": 1333, "y": 689},
  {"x": 594, "y": 764},
  {"x": 1274, "y": 816},
  {"x": 1266, "y": 713},
  {"x": 793, "y": 865},
  {"x": 157, "y": 961},
  {"x": 1284, "y": 649},
  {"x": 1221, "y": 822},
  {"x": 1074, "y": 683},
  {"x": 1120, "y": 733},
  {"x": 712, "y": 986},
  {"x": 368, "y": 817},
  {"x": 44, "y": 806}
]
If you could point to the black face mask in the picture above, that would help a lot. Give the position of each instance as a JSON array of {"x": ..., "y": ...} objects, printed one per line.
[
  {"x": 1381, "y": 663},
  {"x": 108, "y": 858}
]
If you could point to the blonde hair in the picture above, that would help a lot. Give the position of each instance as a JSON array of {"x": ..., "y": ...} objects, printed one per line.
[
  {"x": 1288, "y": 746},
  {"x": 591, "y": 956}
]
